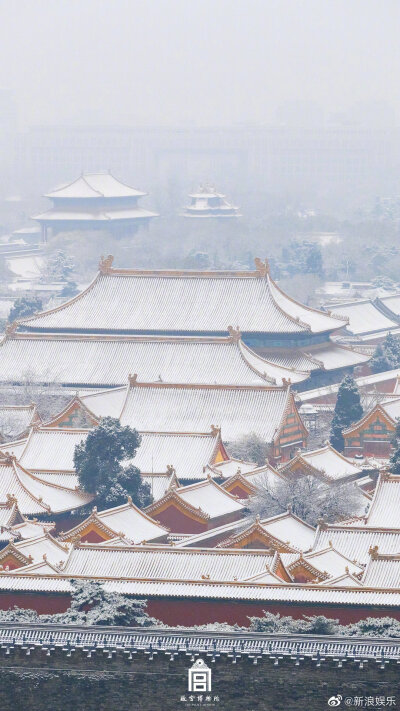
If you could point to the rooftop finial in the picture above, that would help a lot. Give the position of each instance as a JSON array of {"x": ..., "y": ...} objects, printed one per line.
[
  {"x": 261, "y": 267},
  {"x": 105, "y": 264},
  {"x": 11, "y": 328},
  {"x": 132, "y": 378},
  {"x": 373, "y": 551},
  {"x": 215, "y": 430},
  {"x": 234, "y": 333}
]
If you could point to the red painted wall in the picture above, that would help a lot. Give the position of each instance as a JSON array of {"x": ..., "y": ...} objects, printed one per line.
[
  {"x": 93, "y": 537},
  {"x": 177, "y": 522},
  {"x": 197, "y": 612},
  {"x": 194, "y": 612},
  {"x": 239, "y": 491}
]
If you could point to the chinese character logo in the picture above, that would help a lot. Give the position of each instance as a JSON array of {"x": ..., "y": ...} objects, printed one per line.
[{"x": 199, "y": 677}]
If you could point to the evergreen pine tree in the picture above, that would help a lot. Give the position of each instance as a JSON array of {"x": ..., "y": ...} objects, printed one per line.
[
  {"x": 101, "y": 462},
  {"x": 387, "y": 355},
  {"x": 347, "y": 410},
  {"x": 395, "y": 458}
]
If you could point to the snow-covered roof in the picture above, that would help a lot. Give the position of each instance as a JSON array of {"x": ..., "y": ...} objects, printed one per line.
[
  {"x": 188, "y": 454},
  {"x": 385, "y": 507},
  {"x": 108, "y": 360},
  {"x": 89, "y": 215},
  {"x": 364, "y": 317},
  {"x": 50, "y": 449},
  {"x": 94, "y": 185},
  {"x": 208, "y": 590},
  {"x": 126, "y": 520},
  {"x": 106, "y": 403},
  {"x": 391, "y": 303},
  {"x": 325, "y": 461},
  {"x": 130, "y": 300},
  {"x": 178, "y": 408},
  {"x": 33, "y": 495},
  {"x": 290, "y": 529},
  {"x": 355, "y": 542},
  {"x": 206, "y": 496},
  {"x": 159, "y": 484},
  {"x": 331, "y": 562},
  {"x": 152, "y": 563},
  {"x": 232, "y": 466},
  {"x": 328, "y": 356},
  {"x": 38, "y": 547},
  {"x": 383, "y": 571}
]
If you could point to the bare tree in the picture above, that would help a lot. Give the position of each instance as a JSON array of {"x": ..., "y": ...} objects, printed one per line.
[{"x": 309, "y": 498}]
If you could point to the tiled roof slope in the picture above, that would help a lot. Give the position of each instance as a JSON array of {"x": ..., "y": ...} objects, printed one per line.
[
  {"x": 80, "y": 361},
  {"x": 237, "y": 410},
  {"x": 164, "y": 563},
  {"x": 187, "y": 453},
  {"x": 33, "y": 495},
  {"x": 181, "y": 302},
  {"x": 385, "y": 506}
]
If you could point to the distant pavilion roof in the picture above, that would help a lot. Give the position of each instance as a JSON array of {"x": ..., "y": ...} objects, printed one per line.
[
  {"x": 97, "y": 197},
  {"x": 127, "y": 300},
  {"x": 95, "y": 185}
]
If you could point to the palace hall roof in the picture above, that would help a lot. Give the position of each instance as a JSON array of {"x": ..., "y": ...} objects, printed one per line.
[
  {"x": 164, "y": 563},
  {"x": 325, "y": 356},
  {"x": 87, "y": 360},
  {"x": 385, "y": 506},
  {"x": 126, "y": 520},
  {"x": 34, "y": 495},
  {"x": 131, "y": 300},
  {"x": 237, "y": 410},
  {"x": 34, "y": 549},
  {"x": 326, "y": 462},
  {"x": 207, "y": 497},
  {"x": 187, "y": 454},
  {"x": 383, "y": 570},
  {"x": 365, "y": 318},
  {"x": 355, "y": 541}
]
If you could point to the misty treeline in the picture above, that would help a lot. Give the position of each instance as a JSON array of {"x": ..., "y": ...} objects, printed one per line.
[{"x": 300, "y": 254}]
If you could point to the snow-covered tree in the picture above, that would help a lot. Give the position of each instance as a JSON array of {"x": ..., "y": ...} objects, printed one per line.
[
  {"x": 251, "y": 448},
  {"x": 308, "y": 497},
  {"x": 59, "y": 267},
  {"x": 387, "y": 355},
  {"x": 103, "y": 465},
  {"x": 348, "y": 409},
  {"x": 92, "y": 605},
  {"x": 25, "y": 306}
]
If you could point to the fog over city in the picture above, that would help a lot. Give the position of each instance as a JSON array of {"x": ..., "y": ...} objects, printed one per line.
[
  {"x": 289, "y": 109},
  {"x": 215, "y": 62}
]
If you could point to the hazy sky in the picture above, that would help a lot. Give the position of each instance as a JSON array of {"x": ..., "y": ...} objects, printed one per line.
[{"x": 202, "y": 61}]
